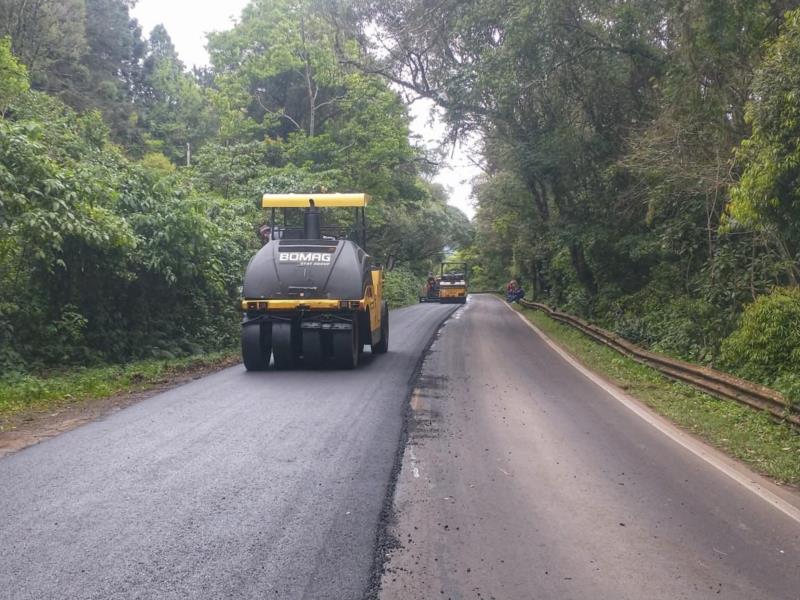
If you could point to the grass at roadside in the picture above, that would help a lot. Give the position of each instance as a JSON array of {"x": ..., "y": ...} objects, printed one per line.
[
  {"x": 769, "y": 447},
  {"x": 26, "y": 392}
]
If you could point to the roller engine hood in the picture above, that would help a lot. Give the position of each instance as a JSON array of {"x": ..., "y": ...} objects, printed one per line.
[{"x": 312, "y": 269}]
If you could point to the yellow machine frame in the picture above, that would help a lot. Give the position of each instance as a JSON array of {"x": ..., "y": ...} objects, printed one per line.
[
  {"x": 318, "y": 200},
  {"x": 452, "y": 291}
]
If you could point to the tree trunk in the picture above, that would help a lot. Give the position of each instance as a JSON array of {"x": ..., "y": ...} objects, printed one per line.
[
  {"x": 582, "y": 269},
  {"x": 539, "y": 196}
]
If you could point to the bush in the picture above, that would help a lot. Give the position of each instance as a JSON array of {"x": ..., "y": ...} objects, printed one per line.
[
  {"x": 402, "y": 287},
  {"x": 766, "y": 345},
  {"x": 103, "y": 259},
  {"x": 684, "y": 327}
]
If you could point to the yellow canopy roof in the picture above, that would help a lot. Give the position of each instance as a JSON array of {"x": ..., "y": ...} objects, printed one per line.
[{"x": 304, "y": 200}]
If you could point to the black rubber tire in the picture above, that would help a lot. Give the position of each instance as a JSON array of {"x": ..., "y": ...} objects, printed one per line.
[
  {"x": 256, "y": 346},
  {"x": 345, "y": 347},
  {"x": 313, "y": 349},
  {"x": 285, "y": 344},
  {"x": 463, "y": 300},
  {"x": 382, "y": 347}
]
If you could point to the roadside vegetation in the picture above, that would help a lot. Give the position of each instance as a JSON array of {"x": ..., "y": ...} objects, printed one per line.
[
  {"x": 130, "y": 185},
  {"x": 402, "y": 287},
  {"x": 640, "y": 161},
  {"x": 767, "y": 446},
  {"x": 639, "y": 166},
  {"x": 28, "y": 394}
]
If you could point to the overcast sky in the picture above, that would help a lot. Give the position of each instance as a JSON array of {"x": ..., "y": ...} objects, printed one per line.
[{"x": 188, "y": 22}]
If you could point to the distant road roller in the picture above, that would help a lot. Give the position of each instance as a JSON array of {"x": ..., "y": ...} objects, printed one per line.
[
  {"x": 312, "y": 295},
  {"x": 453, "y": 282}
]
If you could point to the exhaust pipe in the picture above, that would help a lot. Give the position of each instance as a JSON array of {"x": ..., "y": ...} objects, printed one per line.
[{"x": 311, "y": 223}]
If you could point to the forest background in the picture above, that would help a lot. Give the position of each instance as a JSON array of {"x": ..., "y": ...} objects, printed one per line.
[
  {"x": 640, "y": 160},
  {"x": 130, "y": 186}
]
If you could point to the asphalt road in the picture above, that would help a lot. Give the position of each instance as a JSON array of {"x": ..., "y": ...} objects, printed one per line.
[
  {"x": 237, "y": 485},
  {"x": 523, "y": 479}
]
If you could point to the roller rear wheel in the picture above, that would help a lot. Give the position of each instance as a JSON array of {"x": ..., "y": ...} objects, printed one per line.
[
  {"x": 285, "y": 345},
  {"x": 346, "y": 346},
  {"x": 383, "y": 345},
  {"x": 256, "y": 346},
  {"x": 313, "y": 349}
]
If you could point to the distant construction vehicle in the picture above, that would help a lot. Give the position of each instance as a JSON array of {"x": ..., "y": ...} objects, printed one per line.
[
  {"x": 449, "y": 286},
  {"x": 311, "y": 295}
]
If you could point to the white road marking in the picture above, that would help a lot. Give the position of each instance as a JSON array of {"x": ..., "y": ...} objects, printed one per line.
[
  {"x": 413, "y": 457},
  {"x": 740, "y": 474}
]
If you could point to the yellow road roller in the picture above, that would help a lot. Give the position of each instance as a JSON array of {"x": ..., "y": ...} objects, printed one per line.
[
  {"x": 453, "y": 282},
  {"x": 312, "y": 295}
]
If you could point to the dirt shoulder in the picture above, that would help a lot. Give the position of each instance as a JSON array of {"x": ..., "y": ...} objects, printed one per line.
[{"x": 27, "y": 427}]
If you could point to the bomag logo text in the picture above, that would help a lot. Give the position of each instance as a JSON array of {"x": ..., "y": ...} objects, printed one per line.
[{"x": 305, "y": 257}]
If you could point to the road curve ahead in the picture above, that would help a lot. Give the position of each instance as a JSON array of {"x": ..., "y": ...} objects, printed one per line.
[
  {"x": 237, "y": 485},
  {"x": 523, "y": 480}
]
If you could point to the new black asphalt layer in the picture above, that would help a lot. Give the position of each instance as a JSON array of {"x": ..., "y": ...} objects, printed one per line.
[
  {"x": 522, "y": 479},
  {"x": 237, "y": 485}
]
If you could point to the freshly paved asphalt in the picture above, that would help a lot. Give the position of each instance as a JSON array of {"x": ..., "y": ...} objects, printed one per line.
[
  {"x": 522, "y": 479},
  {"x": 237, "y": 485}
]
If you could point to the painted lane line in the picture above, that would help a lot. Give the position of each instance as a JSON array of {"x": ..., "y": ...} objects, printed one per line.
[{"x": 740, "y": 474}]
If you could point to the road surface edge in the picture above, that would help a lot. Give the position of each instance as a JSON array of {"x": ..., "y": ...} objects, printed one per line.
[
  {"x": 738, "y": 472},
  {"x": 384, "y": 540}
]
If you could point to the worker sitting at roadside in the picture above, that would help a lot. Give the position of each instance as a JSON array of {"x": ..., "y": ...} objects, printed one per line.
[{"x": 514, "y": 293}]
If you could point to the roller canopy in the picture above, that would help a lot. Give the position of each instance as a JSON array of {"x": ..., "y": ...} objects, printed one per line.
[{"x": 320, "y": 200}]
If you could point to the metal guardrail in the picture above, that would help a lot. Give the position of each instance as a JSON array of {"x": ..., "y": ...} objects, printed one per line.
[{"x": 716, "y": 383}]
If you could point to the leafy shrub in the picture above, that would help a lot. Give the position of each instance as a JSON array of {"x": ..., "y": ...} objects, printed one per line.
[
  {"x": 683, "y": 327},
  {"x": 766, "y": 344},
  {"x": 106, "y": 259},
  {"x": 14, "y": 80},
  {"x": 68, "y": 338},
  {"x": 402, "y": 287},
  {"x": 155, "y": 161},
  {"x": 667, "y": 319}
]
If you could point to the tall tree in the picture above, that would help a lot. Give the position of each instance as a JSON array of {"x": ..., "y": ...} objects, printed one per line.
[
  {"x": 175, "y": 110},
  {"x": 48, "y": 36},
  {"x": 766, "y": 198}
]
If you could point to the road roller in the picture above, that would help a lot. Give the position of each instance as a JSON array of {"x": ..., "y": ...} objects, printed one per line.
[
  {"x": 452, "y": 283},
  {"x": 312, "y": 296}
]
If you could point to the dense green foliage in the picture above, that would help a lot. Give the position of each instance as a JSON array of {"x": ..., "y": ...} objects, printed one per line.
[
  {"x": 641, "y": 158},
  {"x": 641, "y": 164},
  {"x": 766, "y": 346},
  {"x": 102, "y": 258},
  {"x": 402, "y": 287},
  {"x": 129, "y": 186}
]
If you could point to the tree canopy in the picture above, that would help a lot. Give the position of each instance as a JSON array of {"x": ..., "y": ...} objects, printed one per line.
[
  {"x": 640, "y": 160},
  {"x": 129, "y": 186},
  {"x": 641, "y": 163}
]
